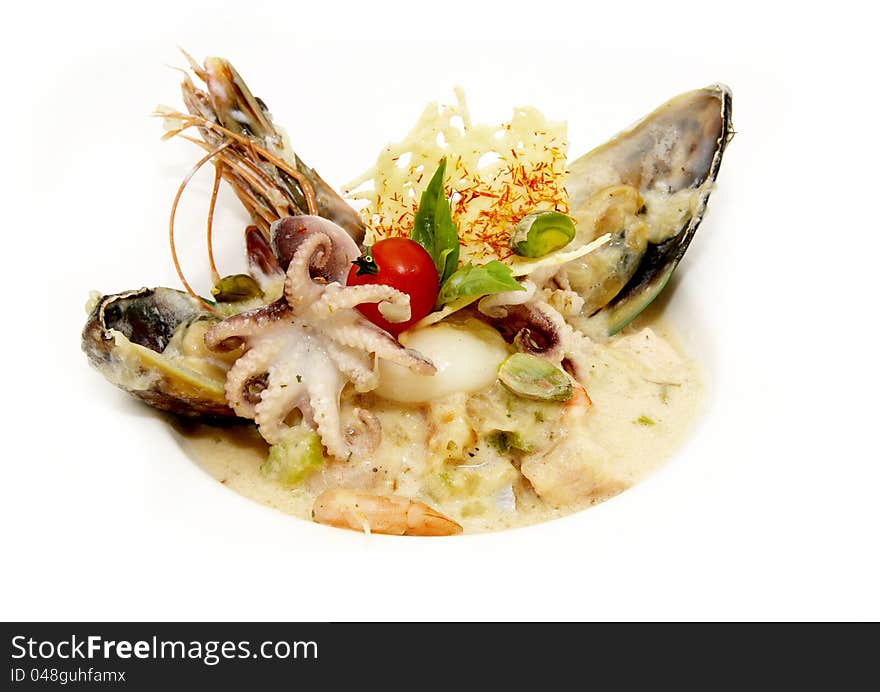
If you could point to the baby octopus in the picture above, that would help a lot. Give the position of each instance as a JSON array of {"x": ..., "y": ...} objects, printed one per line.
[{"x": 301, "y": 350}]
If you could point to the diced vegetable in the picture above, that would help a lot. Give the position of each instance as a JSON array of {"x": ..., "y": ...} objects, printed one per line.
[
  {"x": 235, "y": 288},
  {"x": 534, "y": 378},
  {"x": 541, "y": 233},
  {"x": 290, "y": 461},
  {"x": 505, "y": 440}
]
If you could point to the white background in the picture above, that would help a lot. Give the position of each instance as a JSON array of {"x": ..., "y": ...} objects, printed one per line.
[{"x": 769, "y": 512}]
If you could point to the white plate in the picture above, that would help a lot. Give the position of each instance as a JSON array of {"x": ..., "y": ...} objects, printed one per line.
[{"x": 766, "y": 507}]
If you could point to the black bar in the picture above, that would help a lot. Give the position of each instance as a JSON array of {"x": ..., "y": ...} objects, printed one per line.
[{"x": 157, "y": 656}]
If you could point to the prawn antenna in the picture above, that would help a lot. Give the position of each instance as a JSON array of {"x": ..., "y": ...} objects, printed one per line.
[
  {"x": 218, "y": 176},
  {"x": 180, "y": 189}
]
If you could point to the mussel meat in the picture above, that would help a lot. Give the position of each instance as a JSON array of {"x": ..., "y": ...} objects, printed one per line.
[
  {"x": 150, "y": 342},
  {"x": 648, "y": 187}
]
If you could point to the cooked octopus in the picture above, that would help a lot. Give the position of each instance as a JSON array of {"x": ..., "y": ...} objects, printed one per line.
[{"x": 302, "y": 350}]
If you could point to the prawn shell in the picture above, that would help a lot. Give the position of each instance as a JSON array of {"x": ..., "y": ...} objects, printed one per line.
[
  {"x": 386, "y": 514},
  {"x": 229, "y": 101},
  {"x": 124, "y": 337}
]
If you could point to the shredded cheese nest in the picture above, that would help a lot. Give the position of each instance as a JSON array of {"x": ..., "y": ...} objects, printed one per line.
[{"x": 495, "y": 176}]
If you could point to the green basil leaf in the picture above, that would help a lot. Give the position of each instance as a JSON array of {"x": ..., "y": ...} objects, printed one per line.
[
  {"x": 482, "y": 280},
  {"x": 433, "y": 228}
]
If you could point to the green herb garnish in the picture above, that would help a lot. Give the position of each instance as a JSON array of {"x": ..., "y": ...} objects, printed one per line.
[
  {"x": 435, "y": 231},
  {"x": 433, "y": 227},
  {"x": 482, "y": 280}
]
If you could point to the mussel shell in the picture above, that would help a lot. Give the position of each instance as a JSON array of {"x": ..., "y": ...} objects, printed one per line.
[
  {"x": 124, "y": 337},
  {"x": 677, "y": 147}
]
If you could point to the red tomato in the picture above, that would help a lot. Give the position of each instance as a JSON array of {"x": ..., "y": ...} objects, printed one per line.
[{"x": 402, "y": 264}]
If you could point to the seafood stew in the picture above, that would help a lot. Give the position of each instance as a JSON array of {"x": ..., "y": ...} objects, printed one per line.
[{"x": 462, "y": 339}]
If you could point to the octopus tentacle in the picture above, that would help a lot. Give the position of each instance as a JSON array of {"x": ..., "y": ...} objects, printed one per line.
[
  {"x": 288, "y": 235},
  {"x": 231, "y": 332},
  {"x": 496, "y": 305},
  {"x": 324, "y": 392},
  {"x": 338, "y": 297},
  {"x": 564, "y": 301},
  {"x": 578, "y": 351},
  {"x": 382, "y": 344},
  {"x": 255, "y": 362},
  {"x": 560, "y": 280},
  {"x": 364, "y": 433},
  {"x": 356, "y": 365},
  {"x": 535, "y": 328},
  {"x": 299, "y": 287},
  {"x": 544, "y": 336},
  {"x": 276, "y": 402}
]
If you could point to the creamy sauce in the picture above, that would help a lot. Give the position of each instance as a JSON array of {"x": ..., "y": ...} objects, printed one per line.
[{"x": 645, "y": 393}]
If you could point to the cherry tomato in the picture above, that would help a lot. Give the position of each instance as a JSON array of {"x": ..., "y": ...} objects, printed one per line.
[{"x": 402, "y": 264}]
